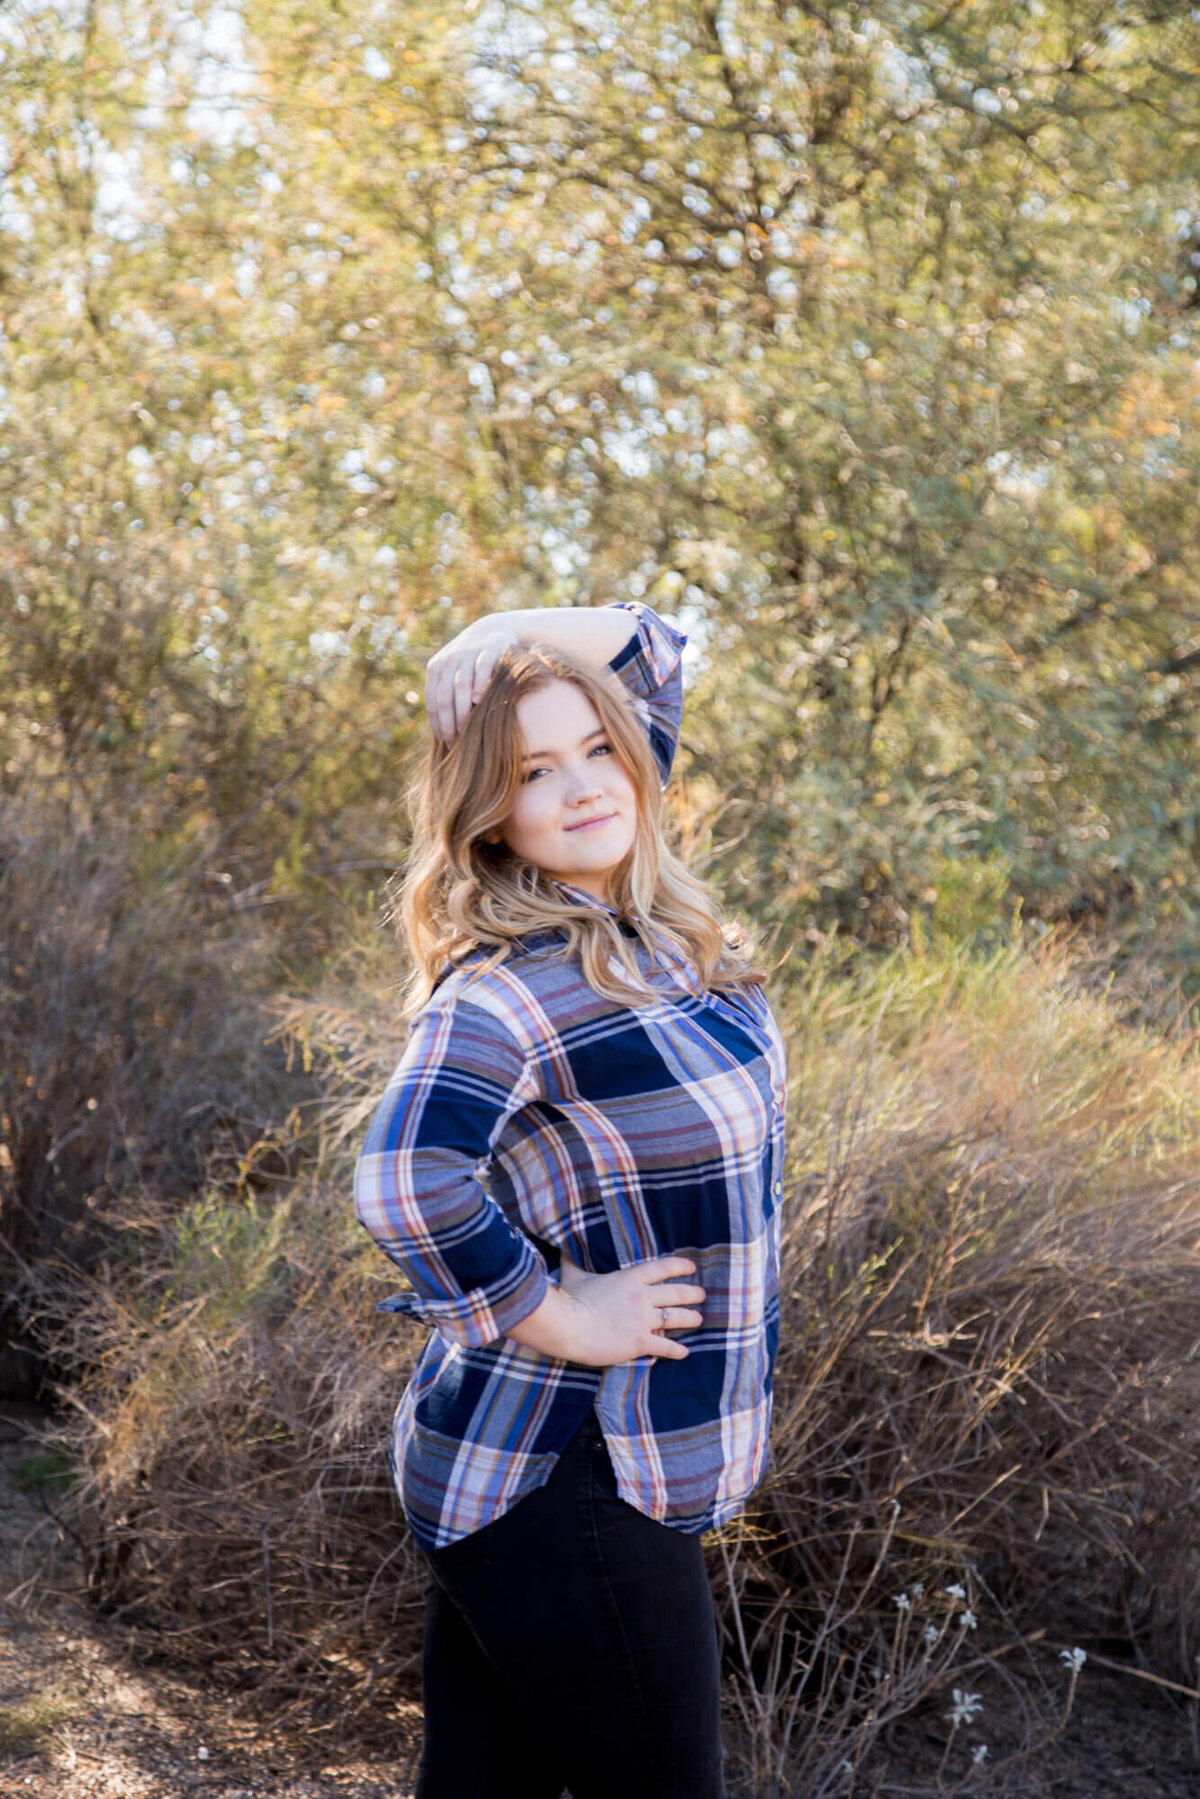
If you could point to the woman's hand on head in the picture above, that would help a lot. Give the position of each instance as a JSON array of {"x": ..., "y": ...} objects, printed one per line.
[{"x": 457, "y": 675}]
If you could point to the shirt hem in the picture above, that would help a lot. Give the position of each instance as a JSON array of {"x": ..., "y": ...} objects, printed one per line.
[{"x": 689, "y": 1523}]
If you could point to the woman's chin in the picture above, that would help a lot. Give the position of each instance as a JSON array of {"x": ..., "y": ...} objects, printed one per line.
[
  {"x": 597, "y": 865},
  {"x": 603, "y": 846}
]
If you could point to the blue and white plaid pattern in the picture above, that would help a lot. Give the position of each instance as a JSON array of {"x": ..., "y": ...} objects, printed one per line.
[{"x": 530, "y": 1115}]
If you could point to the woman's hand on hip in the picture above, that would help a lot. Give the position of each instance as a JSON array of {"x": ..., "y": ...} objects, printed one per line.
[
  {"x": 627, "y": 1313},
  {"x": 602, "y": 1319}
]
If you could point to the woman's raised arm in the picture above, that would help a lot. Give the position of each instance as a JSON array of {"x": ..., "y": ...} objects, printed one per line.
[{"x": 457, "y": 674}]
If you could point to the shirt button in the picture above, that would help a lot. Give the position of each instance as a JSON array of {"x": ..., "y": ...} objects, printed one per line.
[{"x": 779, "y": 1187}]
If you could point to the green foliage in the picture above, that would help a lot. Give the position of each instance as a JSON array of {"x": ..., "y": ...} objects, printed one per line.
[
  {"x": 965, "y": 900},
  {"x": 865, "y": 342},
  {"x": 25, "y": 1728},
  {"x": 226, "y": 1255},
  {"x": 50, "y": 1471}
]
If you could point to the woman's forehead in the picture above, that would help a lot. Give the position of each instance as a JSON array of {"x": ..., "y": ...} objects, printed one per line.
[{"x": 557, "y": 716}]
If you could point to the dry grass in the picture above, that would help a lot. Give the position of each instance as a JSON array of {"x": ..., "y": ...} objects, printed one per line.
[
  {"x": 132, "y": 1054},
  {"x": 988, "y": 1373},
  {"x": 24, "y": 1728},
  {"x": 988, "y": 1378},
  {"x": 229, "y": 1415}
]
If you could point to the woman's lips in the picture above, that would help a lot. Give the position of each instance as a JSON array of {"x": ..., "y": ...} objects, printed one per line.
[{"x": 590, "y": 823}]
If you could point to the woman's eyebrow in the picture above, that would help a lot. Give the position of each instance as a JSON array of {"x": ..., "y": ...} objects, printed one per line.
[{"x": 536, "y": 755}]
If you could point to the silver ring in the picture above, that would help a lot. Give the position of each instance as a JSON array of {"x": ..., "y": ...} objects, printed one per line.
[{"x": 666, "y": 1313}]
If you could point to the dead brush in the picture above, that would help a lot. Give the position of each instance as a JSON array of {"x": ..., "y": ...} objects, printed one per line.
[
  {"x": 132, "y": 1054},
  {"x": 989, "y": 1371},
  {"x": 987, "y": 1419},
  {"x": 229, "y": 1418},
  {"x": 227, "y": 1390}
]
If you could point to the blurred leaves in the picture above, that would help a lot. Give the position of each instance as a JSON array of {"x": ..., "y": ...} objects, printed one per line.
[{"x": 863, "y": 342}]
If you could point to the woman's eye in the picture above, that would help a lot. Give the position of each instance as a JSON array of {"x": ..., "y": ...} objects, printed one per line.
[{"x": 540, "y": 769}]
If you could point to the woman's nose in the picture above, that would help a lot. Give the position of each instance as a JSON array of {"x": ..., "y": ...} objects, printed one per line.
[{"x": 582, "y": 783}]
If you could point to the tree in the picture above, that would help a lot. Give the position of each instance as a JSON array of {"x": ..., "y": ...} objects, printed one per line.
[{"x": 862, "y": 336}]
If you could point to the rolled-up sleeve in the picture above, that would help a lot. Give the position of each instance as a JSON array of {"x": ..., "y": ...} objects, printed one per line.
[
  {"x": 651, "y": 667},
  {"x": 417, "y": 1191}
]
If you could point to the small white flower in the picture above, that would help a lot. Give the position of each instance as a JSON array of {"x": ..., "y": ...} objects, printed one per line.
[
  {"x": 968, "y": 1621},
  {"x": 931, "y": 1634},
  {"x": 1073, "y": 1659},
  {"x": 979, "y": 1755},
  {"x": 966, "y": 1706},
  {"x": 202, "y": 1753},
  {"x": 918, "y": 1589},
  {"x": 904, "y": 1602},
  {"x": 954, "y": 1592}
]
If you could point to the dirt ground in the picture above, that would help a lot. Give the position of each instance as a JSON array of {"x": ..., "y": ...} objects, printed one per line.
[{"x": 78, "y": 1720}]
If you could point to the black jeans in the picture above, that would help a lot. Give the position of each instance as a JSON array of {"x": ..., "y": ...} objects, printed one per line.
[{"x": 571, "y": 1643}]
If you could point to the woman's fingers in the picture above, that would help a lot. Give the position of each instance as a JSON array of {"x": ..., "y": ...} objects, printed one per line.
[
  {"x": 438, "y": 693},
  {"x": 632, "y": 1311},
  {"x": 456, "y": 676},
  {"x": 449, "y": 682},
  {"x": 451, "y": 697},
  {"x": 464, "y": 688},
  {"x": 452, "y": 690},
  {"x": 676, "y": 1293},
  {"x": 485, "y": 668},
  {"x": 662, "y": 1268}
]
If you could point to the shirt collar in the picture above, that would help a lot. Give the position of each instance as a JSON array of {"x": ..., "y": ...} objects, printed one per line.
[{"x": 583, "y": 898}]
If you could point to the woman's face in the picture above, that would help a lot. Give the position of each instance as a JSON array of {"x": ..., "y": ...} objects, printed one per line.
[{"x": 570, "y": 776}]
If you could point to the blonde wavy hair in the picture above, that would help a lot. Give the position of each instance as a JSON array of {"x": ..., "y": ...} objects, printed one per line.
[{"x": 461, "y": 893}]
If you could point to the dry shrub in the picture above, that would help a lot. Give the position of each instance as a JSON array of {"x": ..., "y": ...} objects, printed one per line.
[
  {"x": 987, "y": 1380},
  {"x": 132, "y": 1054},
  {"x": 229, "y": 1419},
  {"x": 228, "y": 1388},
  {"x": 988, "y": 1373}
]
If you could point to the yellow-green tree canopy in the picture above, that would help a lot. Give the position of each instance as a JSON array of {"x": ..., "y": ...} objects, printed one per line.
[{"x": 862, "y": 337}]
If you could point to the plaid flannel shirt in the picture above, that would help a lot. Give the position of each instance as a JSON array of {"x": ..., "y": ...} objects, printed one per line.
[{"x": 529, "y": 1115}]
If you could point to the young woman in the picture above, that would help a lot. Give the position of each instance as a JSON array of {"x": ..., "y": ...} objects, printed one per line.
[{"x": 577, "y": 1166}]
